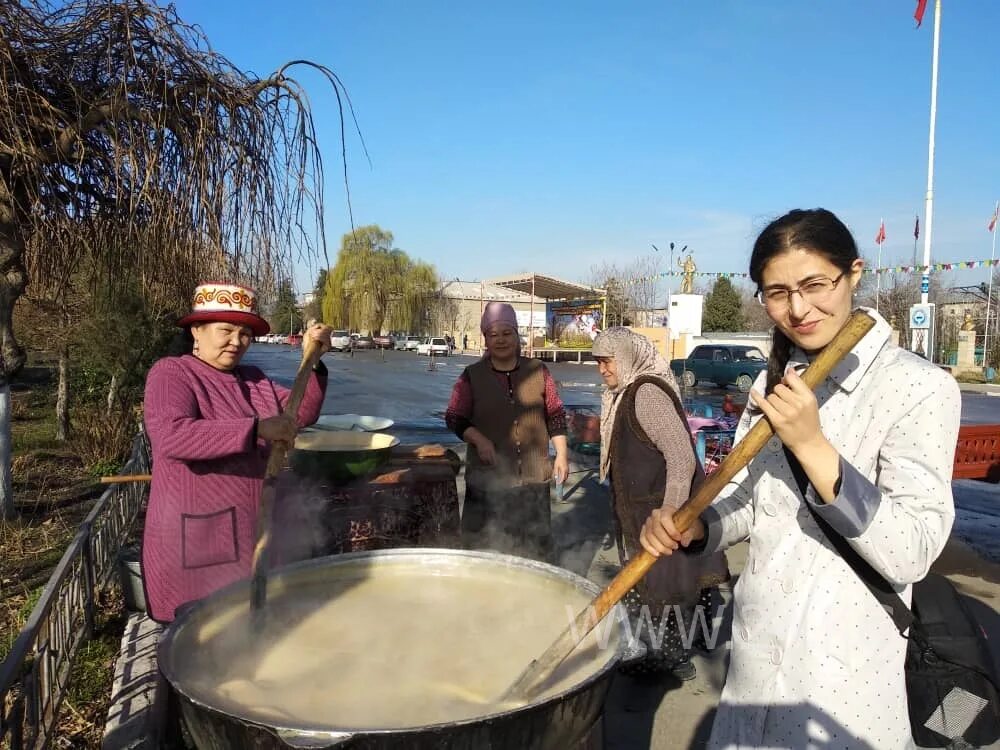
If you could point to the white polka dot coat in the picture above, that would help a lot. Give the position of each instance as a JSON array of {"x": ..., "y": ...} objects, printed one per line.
[{"x": 815, "y": 660}]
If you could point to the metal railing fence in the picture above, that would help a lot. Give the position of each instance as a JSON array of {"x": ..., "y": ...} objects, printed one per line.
[{"x": 35, "y": 674}]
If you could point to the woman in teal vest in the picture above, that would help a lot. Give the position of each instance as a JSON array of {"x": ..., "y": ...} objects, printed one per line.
[
  {"x": 648, "y": 455},
  {"x": 507, "y": 408}
]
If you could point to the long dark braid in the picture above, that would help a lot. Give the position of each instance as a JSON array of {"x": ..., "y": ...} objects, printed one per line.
[{"x": 814, "y": 229}]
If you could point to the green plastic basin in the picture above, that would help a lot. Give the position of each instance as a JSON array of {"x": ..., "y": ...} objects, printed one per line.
[{"x": 340, "y": 456}]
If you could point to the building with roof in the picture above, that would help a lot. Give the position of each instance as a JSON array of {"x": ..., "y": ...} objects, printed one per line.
[
  {"x": 460, "y": 308},
  {"x": 461, "y": 304}
]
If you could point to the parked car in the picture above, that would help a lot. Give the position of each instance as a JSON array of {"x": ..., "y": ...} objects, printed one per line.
[
  {"x": 408, "y": 343},
  {"x": 383, "y": 342},
  {"x": 340, "y": 341},
  {"x": 436, "y": 346},
  {"x": 364, "y": 342},
  {"x": 722, "y": 364}
]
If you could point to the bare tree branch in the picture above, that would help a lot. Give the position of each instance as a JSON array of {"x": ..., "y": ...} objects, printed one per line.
[{"x": 125, "y": 140}]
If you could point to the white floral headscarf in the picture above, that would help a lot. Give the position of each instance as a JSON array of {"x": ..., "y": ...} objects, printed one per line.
[{"x": 634, "y": 357}]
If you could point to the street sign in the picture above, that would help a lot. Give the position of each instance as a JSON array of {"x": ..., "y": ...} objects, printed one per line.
[
  {"x": 920, "y": 316},
  {"x": 922, "y": 330},
  {"x": 925, "y": 284}
]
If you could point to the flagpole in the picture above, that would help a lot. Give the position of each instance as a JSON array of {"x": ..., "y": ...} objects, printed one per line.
[
  {"x": 915, "y": 237},
  {"x": 929, "y": 204},
  {"x": 989, "y": 294},
  {"x": 879, "y": 239}
]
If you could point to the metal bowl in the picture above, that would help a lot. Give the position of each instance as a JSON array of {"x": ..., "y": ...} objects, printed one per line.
[
  {"x": 354, "y": 422},
  {"x": 340, "y": 456}
]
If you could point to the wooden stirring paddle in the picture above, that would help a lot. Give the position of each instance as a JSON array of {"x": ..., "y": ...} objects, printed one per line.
[
  {"x": 311, "y": 352},
  {"x": 539, "y": 670}
]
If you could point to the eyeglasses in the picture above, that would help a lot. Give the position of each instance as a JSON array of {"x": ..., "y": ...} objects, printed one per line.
[{"x": 813, "y": 291}]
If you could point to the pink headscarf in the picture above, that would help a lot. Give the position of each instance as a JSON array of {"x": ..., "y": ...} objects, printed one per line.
[{"x": 498, "y": 312}]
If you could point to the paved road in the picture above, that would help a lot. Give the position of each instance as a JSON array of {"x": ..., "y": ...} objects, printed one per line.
[{"x": 400, "y": 386}]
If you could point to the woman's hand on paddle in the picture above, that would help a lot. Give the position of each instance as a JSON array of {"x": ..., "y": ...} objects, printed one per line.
[
  {"x": 320, "y": 334},
  {"x": 793, "y": 413},
  {"x": 659, "y": 536},
  {"x": 281, "y": 428}
]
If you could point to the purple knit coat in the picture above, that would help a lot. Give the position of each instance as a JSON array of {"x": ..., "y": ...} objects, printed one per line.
[{"x": 207, "y": 475}]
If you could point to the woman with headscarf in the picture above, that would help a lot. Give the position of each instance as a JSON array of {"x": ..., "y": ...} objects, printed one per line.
[
  {"x": 649, "y": 457},
  {"x": 211, "y": 421},
  {"x": 507, "y": 408}
]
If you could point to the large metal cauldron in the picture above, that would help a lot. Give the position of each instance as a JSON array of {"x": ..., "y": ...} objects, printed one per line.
[{"x": 556, "y": 722}]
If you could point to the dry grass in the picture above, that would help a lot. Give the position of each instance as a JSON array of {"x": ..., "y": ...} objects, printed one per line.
[
  {"x": 85, "y": 708},
  {"x": 54, "y": 492}
]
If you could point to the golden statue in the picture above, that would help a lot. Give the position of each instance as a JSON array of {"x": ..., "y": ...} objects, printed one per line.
[
  {"x": 968, "y": 325},
  {"x": 688, "y": 266}
]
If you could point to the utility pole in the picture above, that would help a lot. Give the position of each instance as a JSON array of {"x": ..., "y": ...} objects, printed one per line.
[
  {"x": 929, "y": 204},
  {"x": 922, "y": 315}
]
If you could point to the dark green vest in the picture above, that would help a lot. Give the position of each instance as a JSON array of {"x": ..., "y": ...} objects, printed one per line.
[{"x": 515, "y": 423}]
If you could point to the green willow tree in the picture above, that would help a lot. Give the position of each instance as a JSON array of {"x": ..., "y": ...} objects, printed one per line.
[{"x": 374, "y": 286}]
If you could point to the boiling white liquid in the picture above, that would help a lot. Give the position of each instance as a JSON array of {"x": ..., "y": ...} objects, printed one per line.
[{"x": 388, "y": 651}]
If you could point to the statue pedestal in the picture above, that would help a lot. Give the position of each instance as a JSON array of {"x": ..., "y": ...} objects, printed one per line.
[
  {"x": 966, "y": 351},
  {"x": 685, "y": 314}
]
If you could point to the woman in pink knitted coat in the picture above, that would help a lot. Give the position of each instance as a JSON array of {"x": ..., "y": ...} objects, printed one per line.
[{"x": 210, "y": 422}]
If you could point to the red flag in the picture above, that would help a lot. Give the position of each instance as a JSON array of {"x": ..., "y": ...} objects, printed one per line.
[
  {"x": 880, "y": 237},
  {"x": 916, "y": 228},
  {"x": 993, "y": 221},
  {"x": 919, "y": 12}
]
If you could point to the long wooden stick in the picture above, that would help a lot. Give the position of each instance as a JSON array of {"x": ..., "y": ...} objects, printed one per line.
[
  {"x": 115, "y": 478},
  {"x": 857, "y": 326},
  {"x": 311, "y": 352}
]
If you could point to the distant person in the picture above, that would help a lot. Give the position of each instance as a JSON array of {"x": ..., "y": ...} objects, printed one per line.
[
  {"x": 873, "y": 448},
  {"x": 210, "y": 422},
  {"x": 465, "y": 341},
  {"x": 507, "y": 408},
  {"x": 649, "y": 457},
  {"x": 728, "y": 407},
  {"x": 730, "y": 412}
]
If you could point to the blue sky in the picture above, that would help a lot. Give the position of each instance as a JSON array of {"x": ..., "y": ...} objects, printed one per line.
[{"x": 549, "y": 136}]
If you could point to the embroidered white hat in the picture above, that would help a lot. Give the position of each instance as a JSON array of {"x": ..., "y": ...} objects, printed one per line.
[{"x": 226, "y": 303}]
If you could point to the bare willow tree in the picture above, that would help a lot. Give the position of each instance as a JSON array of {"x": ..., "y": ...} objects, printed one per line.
[
  {"x": 892, "y": 296},
  {"x": 633, "y": 289},
  {"x": 118, "y": 121}
]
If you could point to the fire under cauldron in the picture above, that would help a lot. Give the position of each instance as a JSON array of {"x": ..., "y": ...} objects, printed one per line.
[{"x": 559, "y": 718}]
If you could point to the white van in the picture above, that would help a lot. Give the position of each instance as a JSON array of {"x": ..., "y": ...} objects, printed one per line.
[{"x": 340, "y": 341}]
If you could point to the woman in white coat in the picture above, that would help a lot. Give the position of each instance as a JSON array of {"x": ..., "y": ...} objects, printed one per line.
[{"x": 815, "y": 659}]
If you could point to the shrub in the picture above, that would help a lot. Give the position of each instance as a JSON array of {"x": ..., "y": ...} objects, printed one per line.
[
  {"x": 102, "y": 441},
  {"x": 970, "y": 376}
]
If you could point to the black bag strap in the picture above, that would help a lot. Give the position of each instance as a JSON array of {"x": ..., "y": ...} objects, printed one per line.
[{"x": 895, "y": 607}]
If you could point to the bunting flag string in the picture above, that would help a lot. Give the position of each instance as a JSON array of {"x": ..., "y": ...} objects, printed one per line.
[{"x": 955, "y": 266}]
